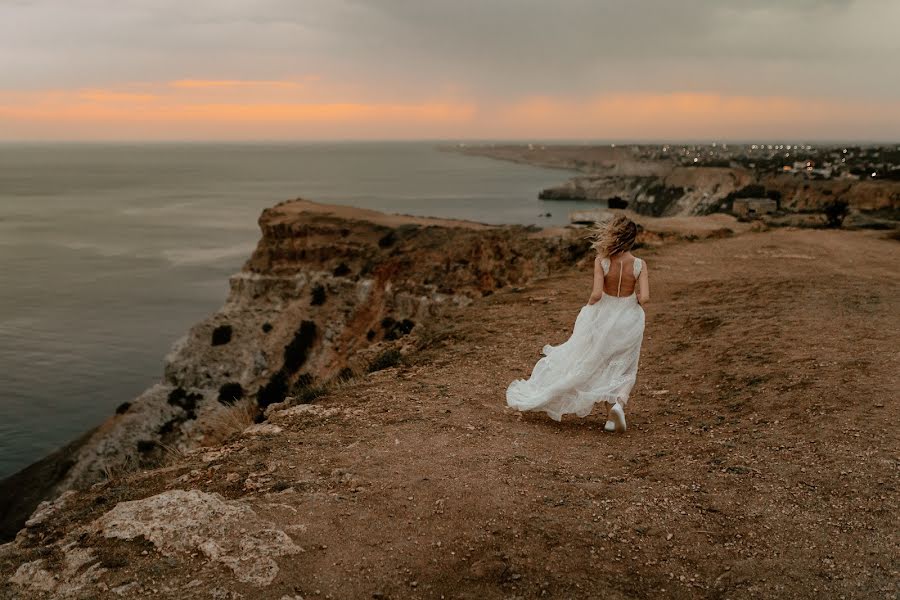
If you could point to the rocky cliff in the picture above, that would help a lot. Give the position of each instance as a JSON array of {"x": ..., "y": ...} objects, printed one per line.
[
  {"x": 802, "y": 195},
  {"x": 327, "y": 291},
  {"x": 615, "y": 177},
  {"x": 680, "y": 191},
  {"x": 742, "y": 474}
]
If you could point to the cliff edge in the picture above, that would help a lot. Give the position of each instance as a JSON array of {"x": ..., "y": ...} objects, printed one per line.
[
  {"x": 760, "y": 459},
  {"x": 328, "y": 290}
]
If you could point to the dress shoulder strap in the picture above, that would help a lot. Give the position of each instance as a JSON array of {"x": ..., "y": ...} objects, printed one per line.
[
  {"x": 638, "y": 264},
  {"x": 604, "y": 262}
]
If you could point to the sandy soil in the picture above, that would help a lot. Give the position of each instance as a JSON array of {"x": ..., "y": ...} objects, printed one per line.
[{"x": 760, "y": 460}]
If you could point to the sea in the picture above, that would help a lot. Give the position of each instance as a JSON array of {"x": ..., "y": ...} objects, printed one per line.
[{"x": 110, "y": 252}]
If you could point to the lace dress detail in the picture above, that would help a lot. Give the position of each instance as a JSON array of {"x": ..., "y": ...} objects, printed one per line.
[{"x": 598, "y": 363}]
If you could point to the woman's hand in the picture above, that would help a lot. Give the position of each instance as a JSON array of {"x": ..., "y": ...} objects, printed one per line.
[{"x": 594, "y": 299}]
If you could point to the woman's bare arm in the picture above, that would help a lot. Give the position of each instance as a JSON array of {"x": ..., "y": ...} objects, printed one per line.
[
  {"x": 643, "y": 295},
  {"x": 597, "y": 291}
]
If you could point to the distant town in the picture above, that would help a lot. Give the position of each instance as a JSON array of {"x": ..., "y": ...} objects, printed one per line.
[
  {"x": 800, "y": 184},
  {"x": 803, "y": 160}
]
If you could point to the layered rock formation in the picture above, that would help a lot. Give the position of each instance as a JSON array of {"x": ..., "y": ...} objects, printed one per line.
[
  {"x": 681, "y": 191},
  {"x": 616, "y": 178},
  {"x": 326, "y": 290},
  {"x": 802, "y": 195}
]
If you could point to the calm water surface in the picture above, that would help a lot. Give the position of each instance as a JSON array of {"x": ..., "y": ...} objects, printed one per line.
[{"x": 109, "y": 253}]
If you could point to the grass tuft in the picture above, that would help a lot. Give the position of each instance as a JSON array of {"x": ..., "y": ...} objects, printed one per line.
[{"x": 228, "y": 421}]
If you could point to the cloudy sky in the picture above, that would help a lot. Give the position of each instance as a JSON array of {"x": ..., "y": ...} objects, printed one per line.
[{"x": 452, "y": 69}]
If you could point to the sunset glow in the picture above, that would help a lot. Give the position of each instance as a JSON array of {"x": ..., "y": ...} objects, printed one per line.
[
  {"x": 257, "y": 70},
  {"x": 187, "y": 109}
]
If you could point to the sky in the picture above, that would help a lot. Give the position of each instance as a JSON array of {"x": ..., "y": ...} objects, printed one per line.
[{"x": 642, "y": 70}]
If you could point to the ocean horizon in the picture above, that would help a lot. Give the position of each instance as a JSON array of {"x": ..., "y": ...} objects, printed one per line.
[{"x": 111, "y": 251}]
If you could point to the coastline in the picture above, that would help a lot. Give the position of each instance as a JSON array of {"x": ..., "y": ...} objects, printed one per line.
[
  {"x": 364, "y": 265},
  {"x": 156, "y": 250},
  {"x": 734, "y": 430},
  {"x": 175, "y": 412},
  {"x": 633, "y": 177}
]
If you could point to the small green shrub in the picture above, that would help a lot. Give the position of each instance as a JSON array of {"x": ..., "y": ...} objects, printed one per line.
[
  {"x": 309, "y": 393},
  {"x": 387, "y": 359},
  {"x": 318, "y": 295},
  {"x": 394, "y": 329},
  {"x": 221, "y": 335},
  {"x": 180, "y": 398},
  {"x": 169, "y": 426},
  {"x": 274, "y": 391},
  {"x": 230, "y": 392},
  {"x": 145, "y": 446},
  {"x": 835, "y": 212},
  {"x": 297, "y": 351},
  {"x": 387, "y": 240}
]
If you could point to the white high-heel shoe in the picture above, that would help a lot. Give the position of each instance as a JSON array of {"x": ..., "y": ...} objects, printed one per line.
[{"x": 617, "y": 419}]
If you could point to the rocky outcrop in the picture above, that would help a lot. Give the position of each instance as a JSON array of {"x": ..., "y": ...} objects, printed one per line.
[
  {"x": 801, "y": 195},
  {"x": 225, "y": 532},
  {"x": 173, "y": 525},
  {"x": 681, "y": 190},
  {"x": 617, "y": 178},
  {"x": 604, "y": 160},
  {"x": 325, "y": 288}
]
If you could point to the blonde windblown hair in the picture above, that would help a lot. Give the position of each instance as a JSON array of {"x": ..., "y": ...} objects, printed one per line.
[{"x": 614, "y": 236}]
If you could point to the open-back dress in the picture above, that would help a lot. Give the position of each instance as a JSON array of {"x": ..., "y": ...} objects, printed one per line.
[{"x": 598, "y": 363}]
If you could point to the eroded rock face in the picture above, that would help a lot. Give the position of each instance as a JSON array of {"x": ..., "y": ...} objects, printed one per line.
[
  {"x": 804, "y": 195},
  {"x": 324, "y": 288},
  {"x": 679, "y": 191},
  {"x": 227, "y": 532}
]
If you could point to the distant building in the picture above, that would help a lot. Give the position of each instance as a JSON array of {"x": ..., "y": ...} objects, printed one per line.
[{"x": 753, "y": 207}]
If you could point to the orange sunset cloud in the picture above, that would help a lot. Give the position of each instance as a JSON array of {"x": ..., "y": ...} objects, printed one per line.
[
  {"x": 233, "y": 83},
  {"x": 696, "y": 115},
  {"x": 298, "y": 110}
]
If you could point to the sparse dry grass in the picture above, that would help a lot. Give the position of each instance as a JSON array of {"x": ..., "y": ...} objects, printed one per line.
[{"x": 230, "y": 420}]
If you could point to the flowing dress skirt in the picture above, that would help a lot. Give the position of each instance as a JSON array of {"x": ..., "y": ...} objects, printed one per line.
[{"x": 598, "y": 363}]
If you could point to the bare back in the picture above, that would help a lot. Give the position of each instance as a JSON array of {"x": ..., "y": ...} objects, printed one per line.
[
  {"x": 620, "y": 276},
  {"x": 619, "y": 279}
]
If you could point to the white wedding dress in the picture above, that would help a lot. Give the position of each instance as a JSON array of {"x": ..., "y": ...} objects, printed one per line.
[{"x": 598, "y": 363}]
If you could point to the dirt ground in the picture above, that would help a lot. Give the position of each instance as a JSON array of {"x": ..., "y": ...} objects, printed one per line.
[{"x": 760, "y": 459}]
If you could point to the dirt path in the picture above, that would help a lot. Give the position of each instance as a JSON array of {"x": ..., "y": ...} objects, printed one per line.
[{"x": 761, "y": 458}]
